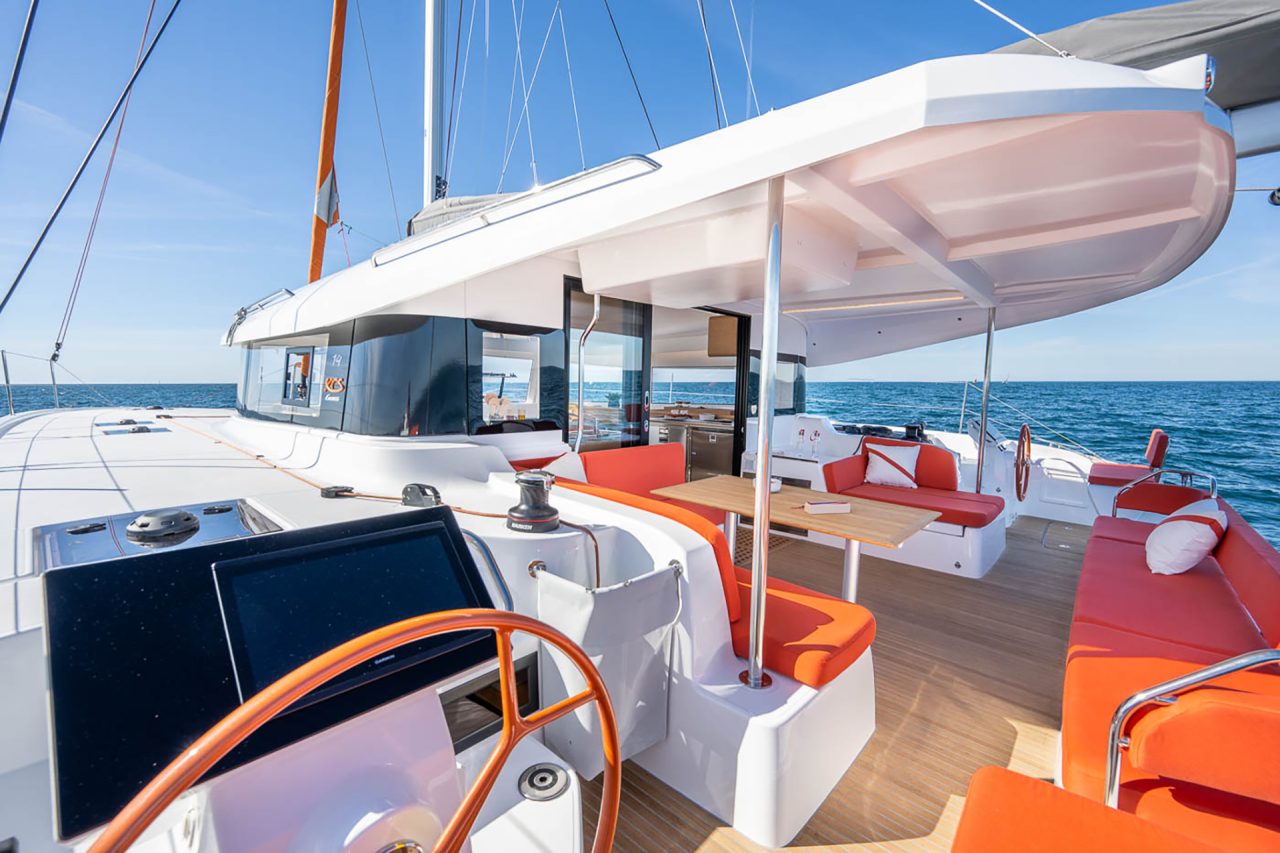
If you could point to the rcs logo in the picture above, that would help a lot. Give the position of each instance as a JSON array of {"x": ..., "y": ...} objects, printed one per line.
[{"x": 334, "y": 385}]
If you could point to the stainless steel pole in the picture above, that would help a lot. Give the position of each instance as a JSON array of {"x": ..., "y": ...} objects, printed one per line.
[
  {"x": 755, "y": 676},
  {"x": 53, "y": 377},
  {"x": 582, "y": 363},
  {"x": 8, "y": 389},
  {"x": 986, "y": 397},
  {"x": 964, "y": 405}
]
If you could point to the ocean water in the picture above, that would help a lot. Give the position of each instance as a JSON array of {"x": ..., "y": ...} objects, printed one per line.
[{"x": 1228, "y": 429}]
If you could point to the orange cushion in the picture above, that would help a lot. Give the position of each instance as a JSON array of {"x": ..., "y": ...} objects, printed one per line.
[
  {"x": 1157, "y": 446},
  {"x": 963, "y": 508},
  {"x": 936, "y": 467},
  {"x": 1006, "y": 812},
  {"x": 808, "y": 636},
  {"x": 1162, "y": 498},
  {"x": 714, "y": 535},
  {"x": 1252, "y": 566},
  {"x": 845, "y": 473},
  {"x": 1122, "y": 529},
  {"x": 1226, "y": 821},
  {"x": 1105, "y": 666},
  {"x": 1241, "y": 729},
  {"x": 1196, "y": 608},
  {"x": 1116, "y": 474},
  {"x": 638, "y": 470}
]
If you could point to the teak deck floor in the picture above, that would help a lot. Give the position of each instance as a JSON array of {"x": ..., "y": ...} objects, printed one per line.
[{"x": 968, "y": 673}]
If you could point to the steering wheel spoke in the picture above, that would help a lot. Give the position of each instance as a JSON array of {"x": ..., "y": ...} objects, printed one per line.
[{"x": 207, "y": 750}]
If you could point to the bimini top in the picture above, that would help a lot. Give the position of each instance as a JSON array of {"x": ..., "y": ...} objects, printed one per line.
[
  {"x": 1242, "y": 35},
  {"x": 915, "y": 201}
]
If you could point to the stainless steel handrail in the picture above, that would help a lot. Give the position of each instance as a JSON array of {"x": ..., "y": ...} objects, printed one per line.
[
  {"x": 487, "y": 555},
  {"x": 582, "y": 361},
  {"x": 418, "y": 242},
  {"x": 1167, "y": 693},
  {"x": 1186, "y": 475},
  {"x": 242, "y": 314}
]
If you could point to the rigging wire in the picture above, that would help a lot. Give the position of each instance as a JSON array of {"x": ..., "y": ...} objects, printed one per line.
[
  {"x": 1026, "y": 32},
  {"x": 717, "y": 99},
  {"x": 511, "y": 98},
  {"x": 452, "y": 144},
  {"x": 377, "y": 115},
  {"x": 453, "y": 90},
  {"x": 525, "y": 116},
  {"x": 351, "y": 229},
  {"x": 746, "y": 57},
  {"x": 524, "y": 89},
  {"x": 93, "y": 147},
  {"x": 97, "y": 210},
  {"x": 573, "y": 98},
  {"x": 17, "y": 65},
  {"x": 634, "y": 82},
  {"x": 751, "y": 41}
]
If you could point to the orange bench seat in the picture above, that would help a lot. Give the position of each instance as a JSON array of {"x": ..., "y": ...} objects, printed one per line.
[
  {"x": 1197, "y": 608},
  {"x": 1006, "y": 812},
  {"x": 1203, "y": 766},
  {"x": 809, "y": 636},
  {"x": 937, "y": 478}
]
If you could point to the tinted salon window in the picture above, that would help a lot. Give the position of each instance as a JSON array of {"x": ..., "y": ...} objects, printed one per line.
[
  {"x": 517, "y": 378},
  {"x": 408, "y": 376}
]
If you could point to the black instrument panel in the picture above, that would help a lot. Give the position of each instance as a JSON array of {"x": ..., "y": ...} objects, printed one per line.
[{"x": 141, "y": 662}]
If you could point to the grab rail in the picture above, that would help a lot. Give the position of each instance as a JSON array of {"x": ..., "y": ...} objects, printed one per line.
[
  {"x": 487, "y": 555},
  {"x": 242, "y": 314},
  {"x": 1187, "y": 477},
  {"x": 1167, "y": 693}
]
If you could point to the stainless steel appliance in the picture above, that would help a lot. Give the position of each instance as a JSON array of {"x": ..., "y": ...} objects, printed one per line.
[{"x": 710, "y": 452}]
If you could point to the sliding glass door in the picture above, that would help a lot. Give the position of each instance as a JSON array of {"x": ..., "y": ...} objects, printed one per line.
[{"x": 616, "y": 375}]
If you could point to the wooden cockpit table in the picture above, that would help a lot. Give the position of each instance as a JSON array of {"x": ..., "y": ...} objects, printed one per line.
[{"x": 872, "y": 522}]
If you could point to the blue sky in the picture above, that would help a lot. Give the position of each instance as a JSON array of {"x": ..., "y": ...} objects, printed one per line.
[{"x": 210, "y": 203}]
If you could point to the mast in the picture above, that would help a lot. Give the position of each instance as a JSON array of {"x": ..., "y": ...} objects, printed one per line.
[
  {"x": 326, "y": 209},
  {"x": 433, "y": 128}
]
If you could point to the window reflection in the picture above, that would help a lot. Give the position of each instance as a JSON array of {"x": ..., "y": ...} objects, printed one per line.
[{"x": 615, "y": 402}]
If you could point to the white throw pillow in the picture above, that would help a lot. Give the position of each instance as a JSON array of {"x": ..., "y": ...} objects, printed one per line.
[
  {"x": 892, "y": 465},
  {"x": 1186, "y": 537}
]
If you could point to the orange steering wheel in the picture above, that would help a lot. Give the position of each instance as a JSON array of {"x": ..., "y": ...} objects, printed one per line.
[
  {"x": 1022, "y": 463},
  {"x": 195, "y": 760}
]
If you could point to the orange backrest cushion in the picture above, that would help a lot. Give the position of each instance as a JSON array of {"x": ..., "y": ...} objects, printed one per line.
[
  {"x": 1157, "y": 447},
  {"x": 695, "y": 522},
  {"x": 1223, "y": 739},
  {"x": 1163, "y": 498},
  {"x": 845, "y": 473},
  {"x": 1252, "y": 566},
  {"x": 936, "y": 467},
  {"x": 638, "y": 470}
]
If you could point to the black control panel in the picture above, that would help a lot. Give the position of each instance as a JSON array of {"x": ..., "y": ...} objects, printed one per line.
[{"x": 148, "y": 652}]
